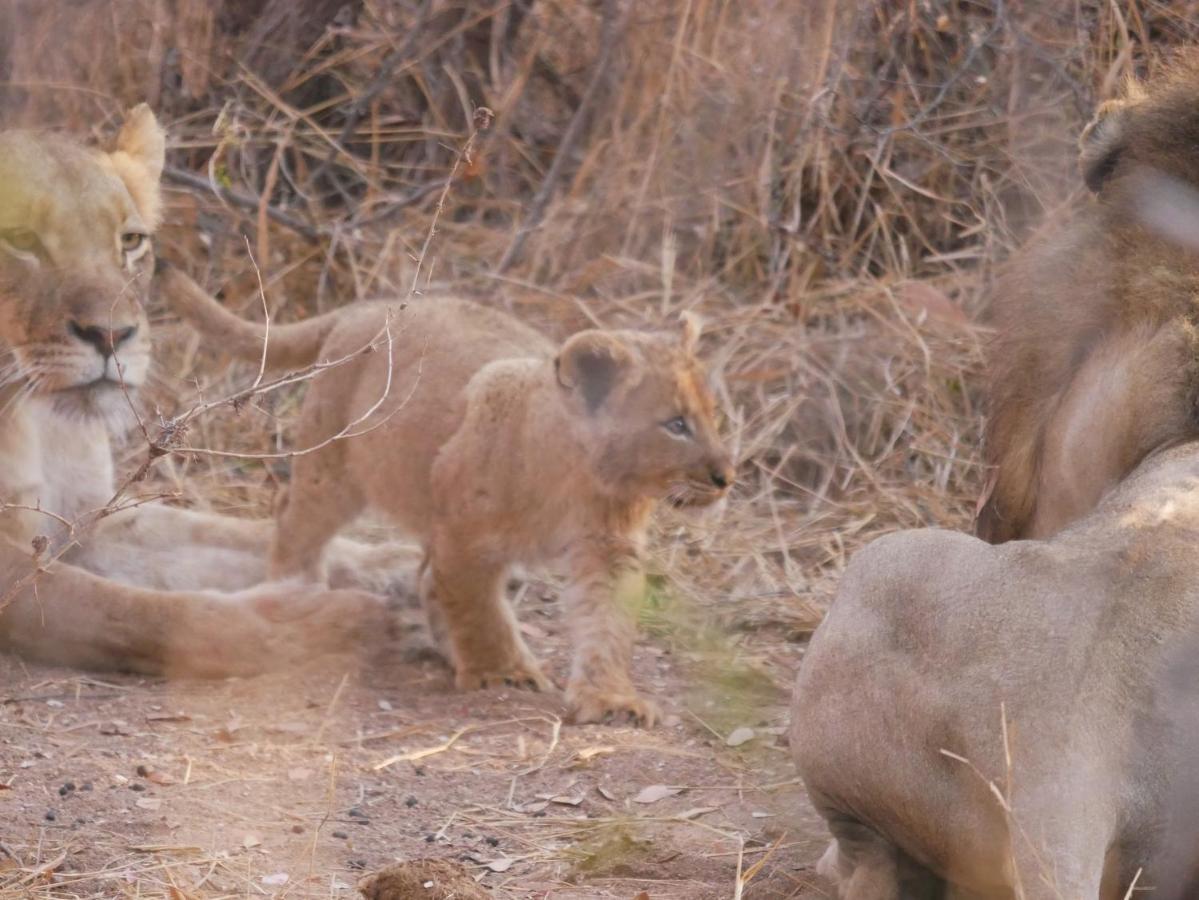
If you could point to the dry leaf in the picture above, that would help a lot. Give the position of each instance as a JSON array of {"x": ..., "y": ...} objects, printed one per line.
[
  {"x": 587, "y": 754},
  {"x": 654, "y": 793},
  {"x": 279, "y": 878},
  {"x": 503, "y": 864},
  {"x": 160, "y": 778},
  {"x": 605, "y": 793},
  {"x": 696, "y": 812},
  {"x": 739, "y": 736},
  {"x": 924, "y": 300},
  {"x": 168, "y": 717},
  {"x": 251, "y": 840},
  {"x": 149, "y": 802}
]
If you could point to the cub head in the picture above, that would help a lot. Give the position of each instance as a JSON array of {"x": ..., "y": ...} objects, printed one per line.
[
  {"x": 75, "y": 264},
  {"x": 646, "y": 405}
]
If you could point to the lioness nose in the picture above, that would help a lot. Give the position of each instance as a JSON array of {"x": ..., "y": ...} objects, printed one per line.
[{"x": 106, "y": 340}]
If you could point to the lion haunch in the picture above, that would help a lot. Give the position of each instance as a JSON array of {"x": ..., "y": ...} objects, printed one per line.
[{"x": 476, "y": 435}]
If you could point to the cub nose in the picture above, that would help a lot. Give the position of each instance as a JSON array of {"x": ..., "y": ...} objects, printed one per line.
[
  {"x": 722, "y": 476},
  {"x": 106, "y": 340}
]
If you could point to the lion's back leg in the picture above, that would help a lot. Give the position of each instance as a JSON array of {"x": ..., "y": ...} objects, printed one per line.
[{"x": 866, "y": 866}]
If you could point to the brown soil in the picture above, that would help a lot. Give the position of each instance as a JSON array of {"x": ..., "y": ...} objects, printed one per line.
[{"x": 300, "y": 784}]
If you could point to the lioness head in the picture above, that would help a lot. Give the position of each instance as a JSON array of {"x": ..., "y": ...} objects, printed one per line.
[
  {"x": 75, "y": 263},
  {"x": 645, "y": 401}
]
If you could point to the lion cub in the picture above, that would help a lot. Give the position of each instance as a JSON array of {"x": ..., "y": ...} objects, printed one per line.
[{"x": 493, "y": 447}]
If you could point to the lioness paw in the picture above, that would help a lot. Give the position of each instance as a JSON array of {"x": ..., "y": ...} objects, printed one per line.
[
  {"x": 525, "y": 676},
  {"x": 589, "y": 705}
]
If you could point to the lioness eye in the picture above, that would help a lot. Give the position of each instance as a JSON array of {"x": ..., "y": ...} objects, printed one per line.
[
  {"x": 131, "y": 241},
  {"x": 23, "y": 240},
  {"x": 677, "y": 426}
]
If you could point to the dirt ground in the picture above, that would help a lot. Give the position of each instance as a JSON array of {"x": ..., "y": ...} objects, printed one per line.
[{"x": 299, "y": 784}]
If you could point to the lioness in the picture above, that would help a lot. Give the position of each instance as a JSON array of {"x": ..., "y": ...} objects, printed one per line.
[
  {"x": 493, "y": 447},
  {"x": 75, "y": 260},
  {"x": 1019, "y": 720}
]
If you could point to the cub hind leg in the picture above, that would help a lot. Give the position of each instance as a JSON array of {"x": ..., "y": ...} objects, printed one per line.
[
  {"x": 464, "y": 596},
  {"x": 317, "y": 505}
]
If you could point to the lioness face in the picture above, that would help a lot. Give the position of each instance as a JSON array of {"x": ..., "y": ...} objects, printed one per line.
[
  {"x": 652, "y": 415},
  {"x": 75, "y": 263}
]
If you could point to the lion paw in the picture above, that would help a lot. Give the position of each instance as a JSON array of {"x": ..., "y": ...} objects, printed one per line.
[
  {"x": 526, "y": 676},
  {"x": 611, "y": 707}
]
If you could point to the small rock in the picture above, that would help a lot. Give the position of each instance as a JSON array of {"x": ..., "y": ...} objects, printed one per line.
[
  {"x": 411, "y": 802},
  {"x": 51, "y": 815},
  {"x": 739, "y": 736},
  {"x": 341, "y": 835},
  {"x": 67, "y": 788}
]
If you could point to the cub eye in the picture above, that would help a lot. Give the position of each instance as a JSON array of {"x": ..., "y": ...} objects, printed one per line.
[
  {"x": 22, "y": 240},
  {"x": 132, "y": 241},
  {"x": 677, "y": 426}
]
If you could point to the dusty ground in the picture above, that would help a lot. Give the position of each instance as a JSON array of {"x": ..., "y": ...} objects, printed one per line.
[{"x": 299, "y": 784}]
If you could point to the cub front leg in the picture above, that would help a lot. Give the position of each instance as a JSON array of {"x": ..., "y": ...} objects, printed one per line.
[
  {"x": 465, "y": 601},
  {"x": 608, "y": 586}
]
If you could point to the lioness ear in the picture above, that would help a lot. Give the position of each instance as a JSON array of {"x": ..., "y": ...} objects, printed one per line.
[
  {"x": 1103, "y": 140},
  {"x": 592, "y": 362},
  {"x": 692, "y": 327},
  {"x": 138, "y": 160}
]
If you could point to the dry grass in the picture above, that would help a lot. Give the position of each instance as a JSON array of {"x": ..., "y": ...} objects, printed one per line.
[{"x": 830, "y": 186}]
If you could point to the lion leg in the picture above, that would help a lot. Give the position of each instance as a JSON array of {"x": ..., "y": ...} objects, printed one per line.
[
  {"x": 486, "y": 648},
  {"x": 1059, "y": 857},
  {"x": 314, "y": 510},
  {"x": 864, "y": 865},
  {"x": 438, "y": 628},
  {"x": 608, "y": 586}
]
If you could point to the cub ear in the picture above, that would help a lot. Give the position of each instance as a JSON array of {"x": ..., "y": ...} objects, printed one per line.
[
  {"x": 592, "y": 363},
  {"x": 1104, "y": 139},
  {"x": 692, "y": 326},
  {"x": 138, "y": 160}
]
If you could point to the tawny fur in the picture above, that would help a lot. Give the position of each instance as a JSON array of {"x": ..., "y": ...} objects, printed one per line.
[
  {"x": 75, "y": 262},
  {"x": 994, "y": 722},
  {"x": 1095, "y": 361},
  {"x": 493, "y": 447},
  {"x": 1083, "y": 646}
]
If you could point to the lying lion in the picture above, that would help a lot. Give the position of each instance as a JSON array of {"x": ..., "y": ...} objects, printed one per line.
[
  {"x": 1020, "y": 720},
  {"x": 493, "y": 447},
  {"x": 86, "y": 577}
]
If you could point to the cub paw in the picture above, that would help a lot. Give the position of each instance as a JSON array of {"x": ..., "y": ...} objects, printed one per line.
[
  {"x": 589, "y": 705},
  {"x": 526, "y": 676}
]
